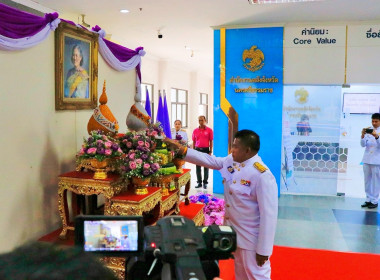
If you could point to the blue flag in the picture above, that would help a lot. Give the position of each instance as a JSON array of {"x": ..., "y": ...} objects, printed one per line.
[
  {"x": 160, "y": 108},
  {"x": 147, "y": 104},
  {"x": 166, "y": 119}
]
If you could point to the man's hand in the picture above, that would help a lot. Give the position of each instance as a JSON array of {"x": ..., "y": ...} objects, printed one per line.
[
  {"x": 374, "y": 134},
  {"x": 172, "y": 144},
  {"x": 363, "y": 132},
  {"x": 261, "y": 259}
]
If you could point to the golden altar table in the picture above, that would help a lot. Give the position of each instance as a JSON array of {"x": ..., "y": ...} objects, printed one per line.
[
  {"x": 83, "y": 183},
  {"x": 183, "y": 179},
  {"x": 127, "y": 203}
]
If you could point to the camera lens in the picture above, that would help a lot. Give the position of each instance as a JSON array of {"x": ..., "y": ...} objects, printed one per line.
[{"x": 225, "y": 244}]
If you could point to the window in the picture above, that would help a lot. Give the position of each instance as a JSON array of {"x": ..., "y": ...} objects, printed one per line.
[
  {"x": 144, "y": 88},
  {"x": 179, "y": 106},
  {"x": 203, "y": 105}
]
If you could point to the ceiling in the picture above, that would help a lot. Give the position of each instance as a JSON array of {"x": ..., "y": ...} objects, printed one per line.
[{"x": 189, "y": 22}]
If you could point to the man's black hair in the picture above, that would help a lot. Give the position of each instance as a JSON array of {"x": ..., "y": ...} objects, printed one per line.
[
  {"x": 39, "y": 260},
  {"x": 376, "y": 116},
  {"x": 249, "y": 139}
]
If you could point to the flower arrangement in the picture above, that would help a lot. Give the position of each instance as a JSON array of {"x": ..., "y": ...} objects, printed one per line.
[
  {"x": 135, "y": 141},
  {"x": 99, "y": 146},
  {"x": 182, "y": 142},
  {"x": 139, "y": 163},
  {"x": 155, "y": 131},
  {"x": 213, "y": 210}
]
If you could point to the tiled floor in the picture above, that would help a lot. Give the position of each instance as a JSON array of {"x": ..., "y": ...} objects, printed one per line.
[{"x": 323, "y": 222}]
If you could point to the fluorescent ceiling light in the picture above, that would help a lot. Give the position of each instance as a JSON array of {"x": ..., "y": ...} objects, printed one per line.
[
  {"x": 253, "y": 2},
  {"x": 124, "y": 11}
]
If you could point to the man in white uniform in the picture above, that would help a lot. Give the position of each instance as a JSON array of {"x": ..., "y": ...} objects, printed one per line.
[
  {"x": 371, "y": 162},
  {"x": 251, "y": 202}
]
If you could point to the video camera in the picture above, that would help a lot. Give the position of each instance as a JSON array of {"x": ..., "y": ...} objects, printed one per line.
[{"x": 184, "y": 250}]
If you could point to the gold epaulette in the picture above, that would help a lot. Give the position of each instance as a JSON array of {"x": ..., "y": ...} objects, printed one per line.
[
  {"x": 259, "y": 167},
  {"x": 183, "y": 130}
]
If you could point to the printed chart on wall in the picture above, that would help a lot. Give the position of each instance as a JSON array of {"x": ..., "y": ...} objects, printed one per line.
[{"x": 311, "y": 155}]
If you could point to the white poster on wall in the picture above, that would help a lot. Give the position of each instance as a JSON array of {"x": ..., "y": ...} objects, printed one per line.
[{"x": 314, "y": 54}]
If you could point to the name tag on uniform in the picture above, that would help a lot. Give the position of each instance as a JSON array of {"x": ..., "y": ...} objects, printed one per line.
[{"x": 245, "y": 182}]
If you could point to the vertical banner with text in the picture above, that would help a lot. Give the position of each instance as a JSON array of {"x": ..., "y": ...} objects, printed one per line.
[{"x": 248, "y": 91}]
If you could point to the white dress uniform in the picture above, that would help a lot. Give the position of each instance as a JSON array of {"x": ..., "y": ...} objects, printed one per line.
[
  {"x": 180, "y": 132},
  {"x": 251, "y": 207},
  {"x": 371, "y": 166}
]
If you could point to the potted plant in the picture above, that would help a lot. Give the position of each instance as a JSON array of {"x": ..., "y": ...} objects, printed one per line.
[
  {"x": 135, "y": 140},
  {"x": 139, "y": 165},
  {"x": 96, "y": 152}
]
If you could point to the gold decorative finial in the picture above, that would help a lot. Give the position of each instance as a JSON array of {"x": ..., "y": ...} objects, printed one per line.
[{"x": 103, "y": 98}]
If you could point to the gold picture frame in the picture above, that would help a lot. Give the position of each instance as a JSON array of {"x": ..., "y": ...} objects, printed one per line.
[{"x": 76, "y": 68}]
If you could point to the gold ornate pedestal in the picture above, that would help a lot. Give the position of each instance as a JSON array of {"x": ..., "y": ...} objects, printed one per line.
[
  {"x": 170, "y": 204},
  {"x": 127, "y": 203},
  {"x": 84, "y": 184},
  {"x": 183, "y": 179}
]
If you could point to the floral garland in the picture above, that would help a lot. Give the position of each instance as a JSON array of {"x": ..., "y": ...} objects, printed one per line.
[{"x": 213, "y": 210}]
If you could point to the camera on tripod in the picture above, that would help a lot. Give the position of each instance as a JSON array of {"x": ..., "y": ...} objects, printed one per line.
[{"x": 174, "y": 248}]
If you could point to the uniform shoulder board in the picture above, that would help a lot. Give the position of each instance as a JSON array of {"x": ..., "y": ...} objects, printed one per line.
[
  {"x": 259, "y": 167},
  {"x": 183, "y": 130}
]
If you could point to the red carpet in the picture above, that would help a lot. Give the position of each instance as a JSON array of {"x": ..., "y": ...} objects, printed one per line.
[
  {"x": 293, "y": 263},
  {"x": 309, "y": 264}
]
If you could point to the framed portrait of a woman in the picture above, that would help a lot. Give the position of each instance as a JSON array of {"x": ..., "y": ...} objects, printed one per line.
[{"x": 76, "y": 68}]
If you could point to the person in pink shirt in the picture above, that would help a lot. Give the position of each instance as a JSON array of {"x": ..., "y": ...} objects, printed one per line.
[{"x": 202, "y": 141}]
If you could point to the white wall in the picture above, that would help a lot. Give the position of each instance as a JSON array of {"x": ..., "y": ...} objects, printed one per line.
[{"x": 39, "y": 143}]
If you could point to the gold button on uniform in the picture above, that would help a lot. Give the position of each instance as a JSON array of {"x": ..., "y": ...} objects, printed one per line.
[
  {"x": 230, "y": 192},
  {"x": 227, "y": 205},
  {"x": 226, "y": 218},
  {"x": 242, "y": 165},
  {"x": 234, "y": 181}
]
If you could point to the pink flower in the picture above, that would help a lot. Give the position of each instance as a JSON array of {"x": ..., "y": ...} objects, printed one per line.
[
  {"x": 119, "y": 150},
  {"x": 156, "y": 165},
  {"x": 140, "y": 143},
  {"x": 139, "y": 161},
  {"x": 132, "y": 165},
  {"x": 108, "y": 144},
  {"x": 108, "y": 152},
  {"x": 129, "y": 144},
  {"x": 147, "y": 144},
  {"x": 132, "y": 156},
  {"x": 154, "y": 133},
  {"x": 91, "y": 151},
  {"x": 81, "y": 152},
  {"x": 146, "y": 166}
]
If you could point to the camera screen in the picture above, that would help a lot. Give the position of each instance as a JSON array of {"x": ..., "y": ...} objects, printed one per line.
[{"x": 108, "y": 235}]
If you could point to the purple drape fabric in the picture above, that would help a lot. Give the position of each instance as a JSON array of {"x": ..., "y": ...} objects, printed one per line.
[
  {"x": 17, "y": 24},
  {"x": 118, "y": 57},
  {"x": 21, "y": 30}
]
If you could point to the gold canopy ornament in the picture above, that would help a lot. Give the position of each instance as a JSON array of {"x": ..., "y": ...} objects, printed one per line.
[{"x": 102, "y": 118}]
